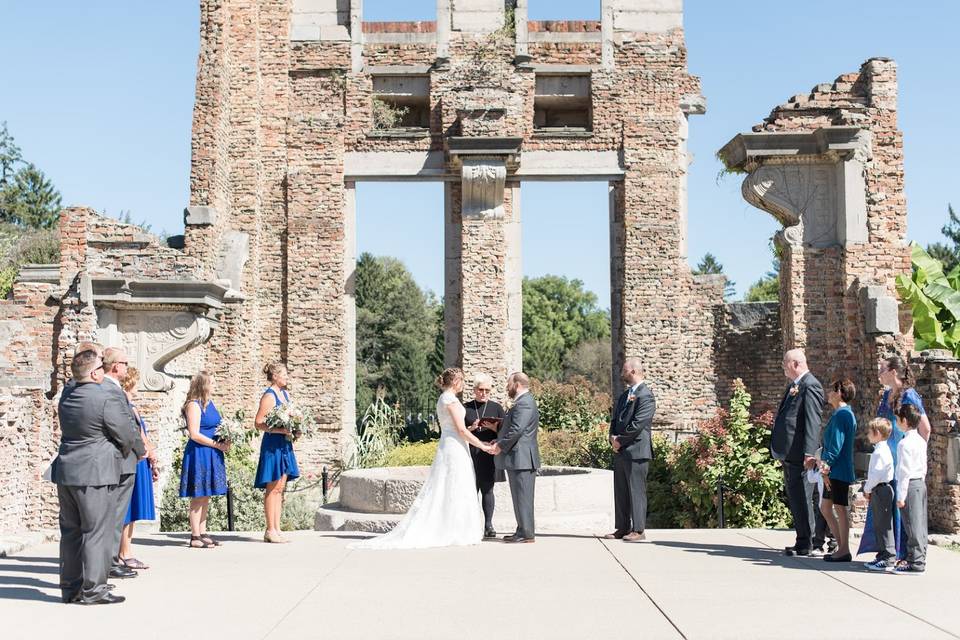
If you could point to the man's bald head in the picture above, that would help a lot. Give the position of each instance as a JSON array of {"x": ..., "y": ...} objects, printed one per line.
[
  {"x": 794, "y": 363},
  {"x": 632, "y": 371}
]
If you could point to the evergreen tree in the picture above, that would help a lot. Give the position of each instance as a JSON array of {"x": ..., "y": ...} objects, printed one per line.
[
  {"x": 948, "y": 255},
  {"x": 710, "y": 265},
  {"x": 30, "y": 200}
]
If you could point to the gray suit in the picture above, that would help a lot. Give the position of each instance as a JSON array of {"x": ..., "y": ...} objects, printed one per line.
[
  {"x": 128, "y": 468},
  {"x": 95, "y": 437},
  {"x": 520, "y": 458}
]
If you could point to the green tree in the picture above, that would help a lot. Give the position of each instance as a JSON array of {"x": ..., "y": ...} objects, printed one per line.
[
  {"x": 396, "y": 335},
  {"x": 10, "y": 156},
  {"x": 593, "y": 360},
  {"x": 709, "y": 265},
  {"x": 30, "y": 199},
  {"x": 767, "y": 288},
  {"x": 945, "y": 253},
  {"x": 558, "y": 315}
]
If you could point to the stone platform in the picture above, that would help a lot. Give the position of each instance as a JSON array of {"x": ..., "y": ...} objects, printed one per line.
[
  {"x": 568, "y": 500},
  {"x": 681, "y": 584}
]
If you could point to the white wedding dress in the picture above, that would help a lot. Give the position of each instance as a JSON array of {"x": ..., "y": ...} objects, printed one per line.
[{"x": 447, "y": 510}]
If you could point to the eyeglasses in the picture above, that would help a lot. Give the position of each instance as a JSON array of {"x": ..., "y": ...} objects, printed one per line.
[
  {"x": 480, "y": 390},
  {"x": 96, "y": 368}
]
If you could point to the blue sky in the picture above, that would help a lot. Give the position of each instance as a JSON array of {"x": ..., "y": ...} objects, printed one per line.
[{"x": 100, "y": 94}]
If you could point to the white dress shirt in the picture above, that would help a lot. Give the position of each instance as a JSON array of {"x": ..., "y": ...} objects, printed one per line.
[
  {"x": 911, "y": 461},
  {"x": 880, "y": 468}
]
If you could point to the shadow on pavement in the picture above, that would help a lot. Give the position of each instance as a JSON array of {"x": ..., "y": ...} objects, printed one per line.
[
  {"x": 26, "y": 594},
  {"x": 183, "y": 539},
  {"x": 30, "y": 568},
  {"x": 763, "y": 556}
]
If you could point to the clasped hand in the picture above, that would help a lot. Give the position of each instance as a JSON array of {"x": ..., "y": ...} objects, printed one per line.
[{"x": 492, "y": 449}]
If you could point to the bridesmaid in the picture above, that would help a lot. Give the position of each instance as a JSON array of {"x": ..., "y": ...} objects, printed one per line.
[
  {"x": 141, "y": 503},
  {"x": 895, "y": 376},
  {"x": 204, "y": 472},
  {"x": 277, "y": 460}
]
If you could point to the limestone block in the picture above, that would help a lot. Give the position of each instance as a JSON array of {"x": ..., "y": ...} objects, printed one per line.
[
  {"x": 199, "y": 215},
  {"x": 234, "y": 253},
  {"x": 881, "y": 311},
  {"x": 400, "y": 494},
  {"x": 953, "y": 459},
  {"x": 646, "y": 21},
  {"x": 361, "y": 493},
  {"x": 300, "y": 32}
]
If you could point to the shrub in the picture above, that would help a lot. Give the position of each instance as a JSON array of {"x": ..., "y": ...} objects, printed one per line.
[
  {"x": 19, "y": 246},
  {"x": 576, "y": 405},
  {"x": 411, "y": 455},
  {"x": 729, "y": 448},
  {"x": 381, "y": 429},
  {"x": 577, "y": 448}
]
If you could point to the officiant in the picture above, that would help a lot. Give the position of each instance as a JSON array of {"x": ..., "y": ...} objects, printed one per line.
[{"x": 484, "y": 417}]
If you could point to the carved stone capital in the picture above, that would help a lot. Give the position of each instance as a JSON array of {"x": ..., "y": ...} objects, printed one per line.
[
  {"x": 154, "y": 338},
  {"x": 483, "y": 180}
]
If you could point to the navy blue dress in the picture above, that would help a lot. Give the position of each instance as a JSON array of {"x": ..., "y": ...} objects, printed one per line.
[
  {"x": 276, "y": 454},
  {"x": 141, "y": 502},
  {"x": 204, "y": 472}
]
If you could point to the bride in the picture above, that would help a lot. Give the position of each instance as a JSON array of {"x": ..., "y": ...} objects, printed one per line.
[{"x": 447, "y": 511}]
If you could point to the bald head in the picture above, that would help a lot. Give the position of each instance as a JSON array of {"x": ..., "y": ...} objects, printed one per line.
[
  {"x": 115, "y": 362},
  {"x": 794, "y": 363},
  {"x": 632, "y": 371},
  {"x": 517, "y": 382}
]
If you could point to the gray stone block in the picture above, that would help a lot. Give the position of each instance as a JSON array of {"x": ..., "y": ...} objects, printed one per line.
[
  {"x": 304, "y": 32},
  {"x": 199, "y": 215},
  {"x": 881, "y": 310}
]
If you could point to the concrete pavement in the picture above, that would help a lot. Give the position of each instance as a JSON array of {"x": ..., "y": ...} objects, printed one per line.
[{"x": 681, "y": 584}]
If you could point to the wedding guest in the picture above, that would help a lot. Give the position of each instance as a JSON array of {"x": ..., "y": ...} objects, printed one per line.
[
  {"x": 115, "y": 364},
  {"x": 630, "y": 438},
  {"x": 277, "y": 464},
  {"x": 484, "y": 417},
  {"x": 94, "y": 438},
  {"x": 837, "y": 465},
  {"x": 895, "y": 376},
  {"x": 80, "y": 348},
  {"x": 141, "y": 503},
  {"x": 878, "y": 490},
  {"x": 912, "y": 489},
  {"x": 204, "y": 472},
  {"x": 795, "y": 440}
]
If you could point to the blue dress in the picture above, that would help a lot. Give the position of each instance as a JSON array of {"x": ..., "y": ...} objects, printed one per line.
[
  {"x": 868, "y": 542},
  {"x": 141, "y": 502},
  {"x": 276, "y": 454},
  {"x": 204, "y": 472}
]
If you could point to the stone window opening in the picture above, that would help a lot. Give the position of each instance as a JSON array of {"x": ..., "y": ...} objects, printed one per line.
[
  {"x": 401, "y": 102},
  {"x": 562, "y": 103}
]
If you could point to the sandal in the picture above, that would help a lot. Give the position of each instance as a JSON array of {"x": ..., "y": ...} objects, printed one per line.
[
  {"x": 210, "y": 542},
  {"x": 200, "y": 544},
  {"x": 133, "y": 563}
]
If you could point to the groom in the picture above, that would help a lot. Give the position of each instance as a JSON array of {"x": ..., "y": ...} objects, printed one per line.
[{"x": 517, "y": 453}]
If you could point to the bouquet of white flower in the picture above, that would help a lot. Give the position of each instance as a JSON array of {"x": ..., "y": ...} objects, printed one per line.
[
  {"x": 231, "y": 429},
  {"x": 298, "y": 421}
]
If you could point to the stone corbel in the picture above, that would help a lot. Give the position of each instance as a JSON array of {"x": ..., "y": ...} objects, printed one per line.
[{"x": 483, "y": 180}]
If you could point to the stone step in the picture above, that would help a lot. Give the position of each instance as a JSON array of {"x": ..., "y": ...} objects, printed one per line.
[{"x": 335, "y": 517}]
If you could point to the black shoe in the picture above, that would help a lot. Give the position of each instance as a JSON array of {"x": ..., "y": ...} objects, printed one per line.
[
  {"x": 122, "y": 573},
  {"x": 793, "y": 551},
  {"x": 831, "y": 545},
  {"x": 489, "y": 534},
  {"x": 844, "y": 558},
  {"x": 73, "y": 596},
  {"x": 105, "y": 598},
  {"x": 518, "y": 540}
]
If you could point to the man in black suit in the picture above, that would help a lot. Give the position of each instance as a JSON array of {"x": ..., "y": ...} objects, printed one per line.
[
  {"x": 795, "y": 440},
  {"x": 630, "y": 427}
]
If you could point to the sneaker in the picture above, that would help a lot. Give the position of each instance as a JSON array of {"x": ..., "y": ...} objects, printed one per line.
[
  {"x": 908, "y": 569},
  {"x": 831, "y": 545},
  {"x": 880, "y": 566},
  {"x": 816, "y": 552}
]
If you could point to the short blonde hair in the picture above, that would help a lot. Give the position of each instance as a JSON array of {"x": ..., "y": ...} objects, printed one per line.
[
  {"x": 880, "y": 426},
  {"x": 482, "y": 378},
  {"x": 88, "y": 346},
  {"x": 129, "y": 382}
]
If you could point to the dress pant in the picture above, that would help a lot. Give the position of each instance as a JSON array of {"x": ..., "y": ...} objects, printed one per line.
[
  {"x": 522, "y": 484},
  {"x": 881, "y": 504},
  {"x": 630, "y": 494},
  {"x": 86, "y": 539},
  {"x": 123, "y": 495},
  {"x": 800, "y": 500},
  {"x": 914, "y": 515}
]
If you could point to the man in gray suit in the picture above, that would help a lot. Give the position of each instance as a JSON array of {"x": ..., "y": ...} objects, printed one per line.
[
  {"x": 518, "y": 453},
  {"x": 114, "y": 370},
  {"x": 630, "y": 427},
  {"x": 95, "y": 436}
]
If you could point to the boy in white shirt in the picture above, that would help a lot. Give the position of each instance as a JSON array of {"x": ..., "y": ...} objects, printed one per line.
[
  {"x": 878, "y": 490},
  {"x": 912, "y": 489}
]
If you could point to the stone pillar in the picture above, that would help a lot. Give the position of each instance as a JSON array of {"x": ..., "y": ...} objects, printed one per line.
[
  {"x": 484, "y": 330},
  {"x": 938, "y": 382}
]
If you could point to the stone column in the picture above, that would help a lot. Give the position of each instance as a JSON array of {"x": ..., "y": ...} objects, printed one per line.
[
  {"x": 938, "y": 382},
  {"x": 484, "y": 330}
]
